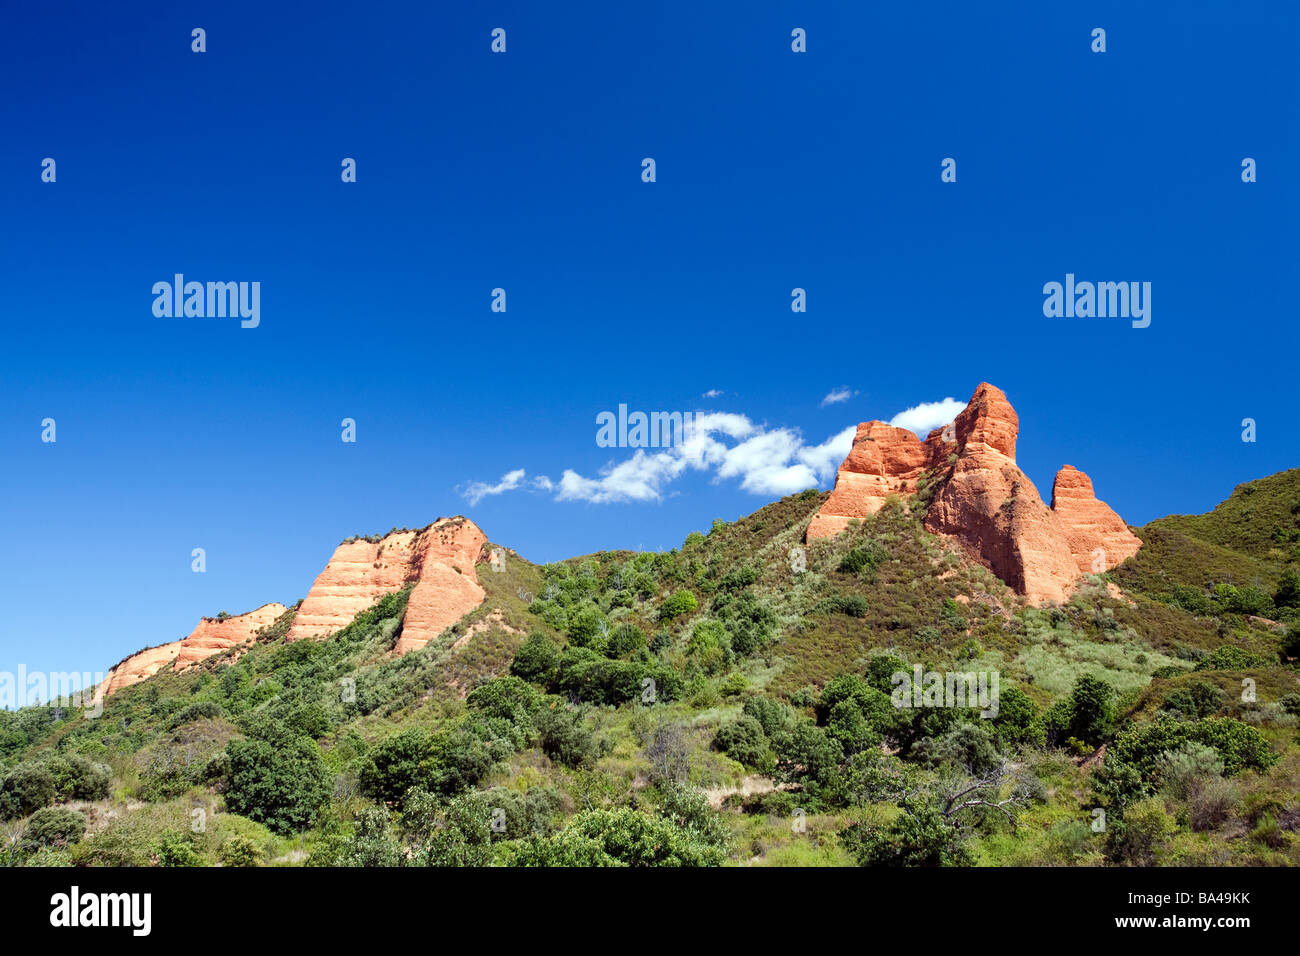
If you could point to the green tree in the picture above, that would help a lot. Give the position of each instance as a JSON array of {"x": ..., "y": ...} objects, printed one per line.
[{"x": 280, "y": 784}]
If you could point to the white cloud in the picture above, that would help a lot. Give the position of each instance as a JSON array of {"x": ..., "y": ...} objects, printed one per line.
[
  {"x": 765, "y": 462},
  {"x": 476, "y": 491},
  {"x": 712, "y": 393},
  {"x": 927, "y": 416},
  {"x": 837, "y": 395}
]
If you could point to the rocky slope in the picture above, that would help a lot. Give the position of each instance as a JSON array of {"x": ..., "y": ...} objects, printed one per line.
[
  {"x": 982, "y": 499},
  {"x": 139, "y": 666},
  {"x": 439, "y": 560},
  {"x": 211, "y": 636}
]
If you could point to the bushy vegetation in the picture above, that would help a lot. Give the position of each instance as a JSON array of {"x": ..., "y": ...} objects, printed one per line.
[{"x": 722, "y": 703}]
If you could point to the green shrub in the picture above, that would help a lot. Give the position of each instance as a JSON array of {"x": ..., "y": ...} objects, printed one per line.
[
  {"x": 919, "y": 836},
  {"x": 195, "y": 711},
  {"x": 175, "y": 849},
  {"x": 619, "y": 837},
  {"x": 1229, "y": 658},
  {"x": 1184, "y": 771},
  {"x": 53, "y": 826},
  {"x": 679, "y": 603},
  {"x": 626, "y": 639},
  {"x": 1141, "y": 835},
  {"x": 281, "y": 785},
  {"x": 25, "y": 789},
  {"x": 240, "y": 851},
  {"x": 863, "y": 558},
  {"x": 564, "y": 737},
  {"x": 743, "y": 740},
  {"x": 772, "y": 715},
  {"x": 536, "y": 659}
]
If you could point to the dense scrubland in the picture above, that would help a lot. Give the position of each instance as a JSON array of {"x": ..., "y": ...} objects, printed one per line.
[{"x": 724, "y": 703}]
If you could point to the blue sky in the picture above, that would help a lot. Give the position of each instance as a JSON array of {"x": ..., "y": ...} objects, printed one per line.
[{"x": 522, "y": 170}]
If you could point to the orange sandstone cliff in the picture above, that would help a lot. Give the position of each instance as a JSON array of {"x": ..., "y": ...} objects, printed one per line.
[
  {"x": 139, "y": 666},
  {"x": 439, "y": 560},
  {"x": 210, "y": 637},
  {"x": 982, "y": 499},
  {"x": 213, "y": 636}
]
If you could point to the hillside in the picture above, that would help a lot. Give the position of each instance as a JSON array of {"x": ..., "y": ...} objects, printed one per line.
[{"x": 725, "y": 702}]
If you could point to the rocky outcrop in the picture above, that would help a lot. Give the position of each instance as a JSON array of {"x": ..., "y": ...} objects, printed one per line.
[
  {"x": 139, "y": 666},
  {"x": 1098, "y": 537},
  {"x": 439, "y": 560},
  {"x": 213, "y": 636},
  {"x": 883, "y": 461},
  {"x": 981, "y": 498}
]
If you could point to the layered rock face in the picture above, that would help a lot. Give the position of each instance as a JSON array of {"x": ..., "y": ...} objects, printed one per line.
[
  {"x": 982, "y": 498},
  {"x": 1098, "y": 537},
  {"x": 440, "y": 560},
  {"x": 210, "y": 637},
  {"x": 213, "y": 636},
  {"x": 883, "y": 461},
  {"x": 139, "y": 666}
]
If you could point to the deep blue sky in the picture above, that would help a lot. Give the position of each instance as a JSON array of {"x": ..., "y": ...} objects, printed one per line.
[{"x": 522, "y": 170}]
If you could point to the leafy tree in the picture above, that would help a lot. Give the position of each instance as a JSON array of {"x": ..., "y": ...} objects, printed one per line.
[
  {"x": 26, "y": 788},
  {"x": 53, "y": 826},
  {"x": 240, "y": 851},
  {"x": 1019, "y": 720},
  {"x": 772, "y": 715},
  {"x": 536, "y": 659},
  {"x": 1288, "y": 589},
  {"x": 397, "y": 764},
  {"x": 563, "y": 735},
  {"x": 459, "y": 833},
  {"x": 626, "y": 639},
  {"x": 620, "y": 837},
  {"x": 1086, "y": 715},
  {"x": 508, "y": 698},
  {"x": 919, "y": 836},
  {"x": 372, "y": 843},
  {"x": 679, "y": 603},
  {"x": 743, "y": 740},
  {"x": 281, "y": 785}
]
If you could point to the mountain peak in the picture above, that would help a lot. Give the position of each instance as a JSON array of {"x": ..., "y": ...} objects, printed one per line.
[{"x": 983, "y": 499}]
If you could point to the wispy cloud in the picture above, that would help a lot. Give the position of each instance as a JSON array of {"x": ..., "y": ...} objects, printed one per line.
[
  {"x": 476, "y": 491},
  {"x": 726, "y": 445},
  {"x": 712, "y": 393},
  {"x": 928, "y": 416},
  {"x": 838, "y": 395},
  {"x": 765, "y": 461}
]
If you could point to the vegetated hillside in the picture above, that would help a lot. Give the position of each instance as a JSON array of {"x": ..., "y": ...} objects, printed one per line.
[{"x": 726, "y": 702}]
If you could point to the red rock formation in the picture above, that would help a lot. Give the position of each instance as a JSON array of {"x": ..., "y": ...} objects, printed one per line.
[
  {"x": 1098, "y": 537},
  {"x": 139, "y": 666},
  {"x": 982, "y": 499},
  {"x": 213, "y": 636},
  {"x": 440, "y": 560},
  {"x": 883, "y": 461}
]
